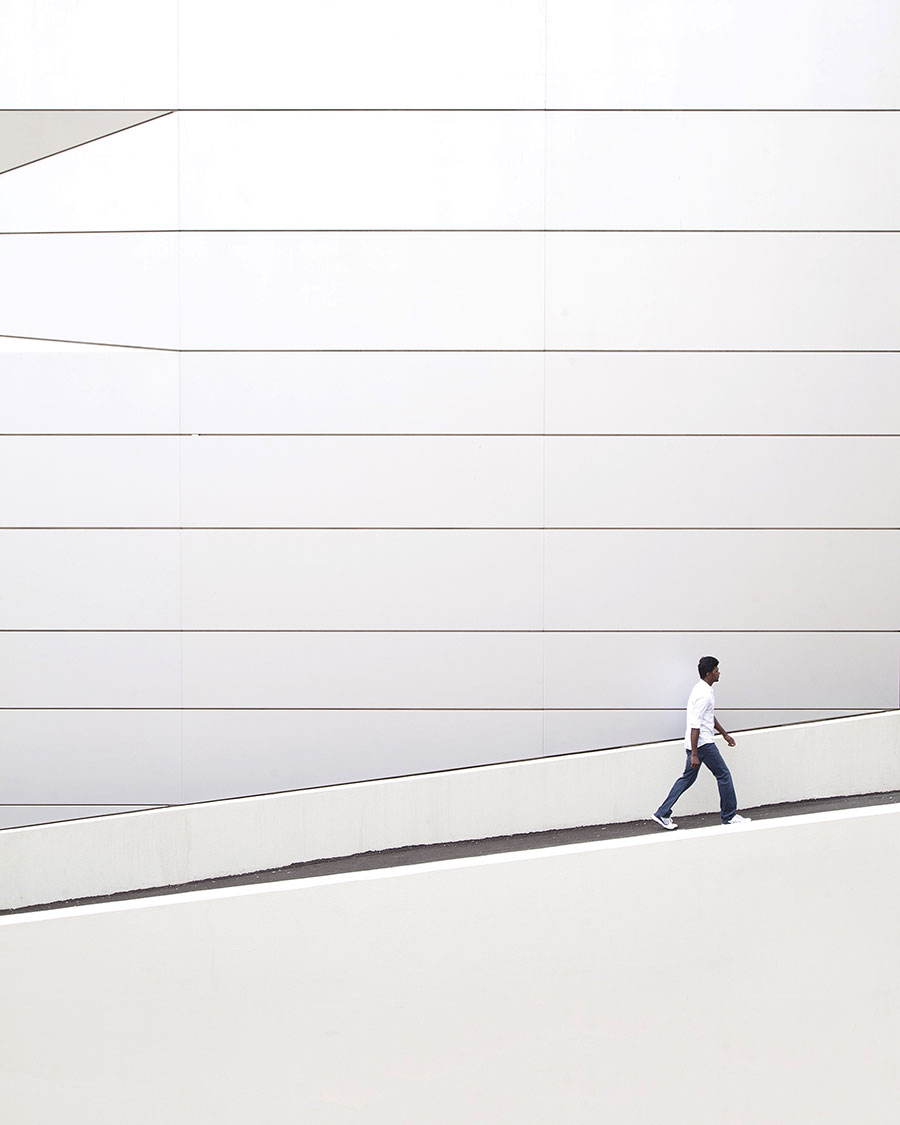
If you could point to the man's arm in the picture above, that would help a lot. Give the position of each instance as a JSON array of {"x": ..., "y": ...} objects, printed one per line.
[
  {"x": 695, "y": 757},
  {"x": 724, "y": 733}
]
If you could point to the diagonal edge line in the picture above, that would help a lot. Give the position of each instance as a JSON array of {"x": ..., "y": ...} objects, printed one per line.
[
  {"x": 69, "y": 148},
  {"x": 87, "y": 343}
]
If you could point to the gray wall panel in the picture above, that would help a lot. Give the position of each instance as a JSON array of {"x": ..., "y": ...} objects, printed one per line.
[
  {"x": 68, "y": 579},
  {"x": 746, "y": 54},
  {"x": 774, "y": 580},
  {"x": 96, "y": 670},
  {"x": 363, "y": 670},
  {"x": 362, "y": 579},
  {"x": 89, "y": 481},
  {"x": 711, "y": 291},
  {"x": 716, "y": 393},
  {"x": 772, "y": 671},
  {"x": 91, "y": 757},
  {"x": 697, "y": 482},
  {"x": 362, "y": 392},
  {"x": 52, "y": 389},
  {"x": 232, "y": 752},
  {"x": 362, "y": 482}
]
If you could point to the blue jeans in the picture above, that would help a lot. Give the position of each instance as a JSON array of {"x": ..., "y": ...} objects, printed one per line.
[{"x": 711, "y": 758}]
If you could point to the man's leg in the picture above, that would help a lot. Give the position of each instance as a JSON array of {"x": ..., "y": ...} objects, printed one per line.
[
  {"x": 713, "y": 760},
  {"x": 684, "y": 782}
]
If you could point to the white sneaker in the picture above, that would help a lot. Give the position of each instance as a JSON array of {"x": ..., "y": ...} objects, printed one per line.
[
  {"x": 665, "y": 821},
  {"x": 737, "y": 819}
]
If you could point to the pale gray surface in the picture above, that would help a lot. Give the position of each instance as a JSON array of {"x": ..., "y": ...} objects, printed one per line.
[
  {"x": 837, "y": 54},
  {"x": 421, "y": 170},
  {"x": 93, "y": 288},
  {"x": 362, "y": 290},
  {"x": 90, "y": 481},
  {"x": 50, "y": 388},
  {"x": 748, "y": 482},
  {"x": 87, "y": 757},
  {"x": 324, "y": 670},
  {"x": 126, "y": 181},
  {"x": 363, "y": 392},
  {"x": 361, "y": 580},
  {"x": 845, "y": 671},
  {"x": 240, "y": 752},
  {"x": 567, "y": 732},
  {"x": 722, "y": 171},
  {"x": 55, "y": 669},
  {"x": 22, "y": 816},
  {"x": 509, "y": 986},
  {"x": 720, "y": 579},
  {"x": 470, "y": 53},
  {"x": 780, "y": 393},
  {"x": 69, "y": 579},
  {"x": 362, "y": 482},
  {"x": 31, "y": 135},
  {"x": 720, "y": 290},
  {"x": 397, "y": 289},
  {"x": 94, "y": 53}
]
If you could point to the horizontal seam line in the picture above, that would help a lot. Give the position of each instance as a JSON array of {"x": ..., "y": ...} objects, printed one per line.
[
  {"x": 428, "y": 631},
  {"x": 457, "y": 351},
  {"x": 464, "y": 230},
  {"x": 469, "y": 109},
  {"x": 422, "y": 434},
  {"x": 376, "y": 527}
]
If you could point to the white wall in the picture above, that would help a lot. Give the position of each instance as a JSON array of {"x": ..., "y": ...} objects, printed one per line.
[
  {"x": 462, "y": 302},
  {"x": 575, "y": 984}
]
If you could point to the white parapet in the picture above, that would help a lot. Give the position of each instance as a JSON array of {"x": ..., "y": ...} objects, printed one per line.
[
  {"x": 742, "y": 974},
  {"x": 168, "y": 847}
]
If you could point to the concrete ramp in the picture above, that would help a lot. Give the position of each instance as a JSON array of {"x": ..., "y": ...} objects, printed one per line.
[
  {"x": 190, "y": 843},
  {"x": 748, "y": 975}
]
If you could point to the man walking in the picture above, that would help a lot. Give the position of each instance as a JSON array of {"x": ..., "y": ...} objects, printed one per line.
[{"x": 699, "y": 743}]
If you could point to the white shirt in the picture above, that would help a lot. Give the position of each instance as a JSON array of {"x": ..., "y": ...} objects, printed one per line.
[{"x": 701, "y": 713}]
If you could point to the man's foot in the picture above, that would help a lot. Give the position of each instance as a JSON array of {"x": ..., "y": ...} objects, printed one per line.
[
  {"x": 737, "y": 819},
  {"x": 665, "y": 821}
]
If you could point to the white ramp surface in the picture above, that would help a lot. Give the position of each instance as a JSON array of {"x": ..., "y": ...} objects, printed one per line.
[{"x": 749, "y": 974}]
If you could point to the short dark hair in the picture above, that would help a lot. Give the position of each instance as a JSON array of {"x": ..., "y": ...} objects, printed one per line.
[{"x": 706, "y": 665}]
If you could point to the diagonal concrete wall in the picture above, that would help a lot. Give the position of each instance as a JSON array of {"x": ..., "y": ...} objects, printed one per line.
[{"x": 50, "y": 863}]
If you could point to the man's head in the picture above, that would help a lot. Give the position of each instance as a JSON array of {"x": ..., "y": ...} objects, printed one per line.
[{"x": 708, "y": 669}]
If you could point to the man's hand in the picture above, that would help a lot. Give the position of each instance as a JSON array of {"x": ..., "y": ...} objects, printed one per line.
[
  {"x": 695, "y": 761},
  {"x": 729, "y": 740}
]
